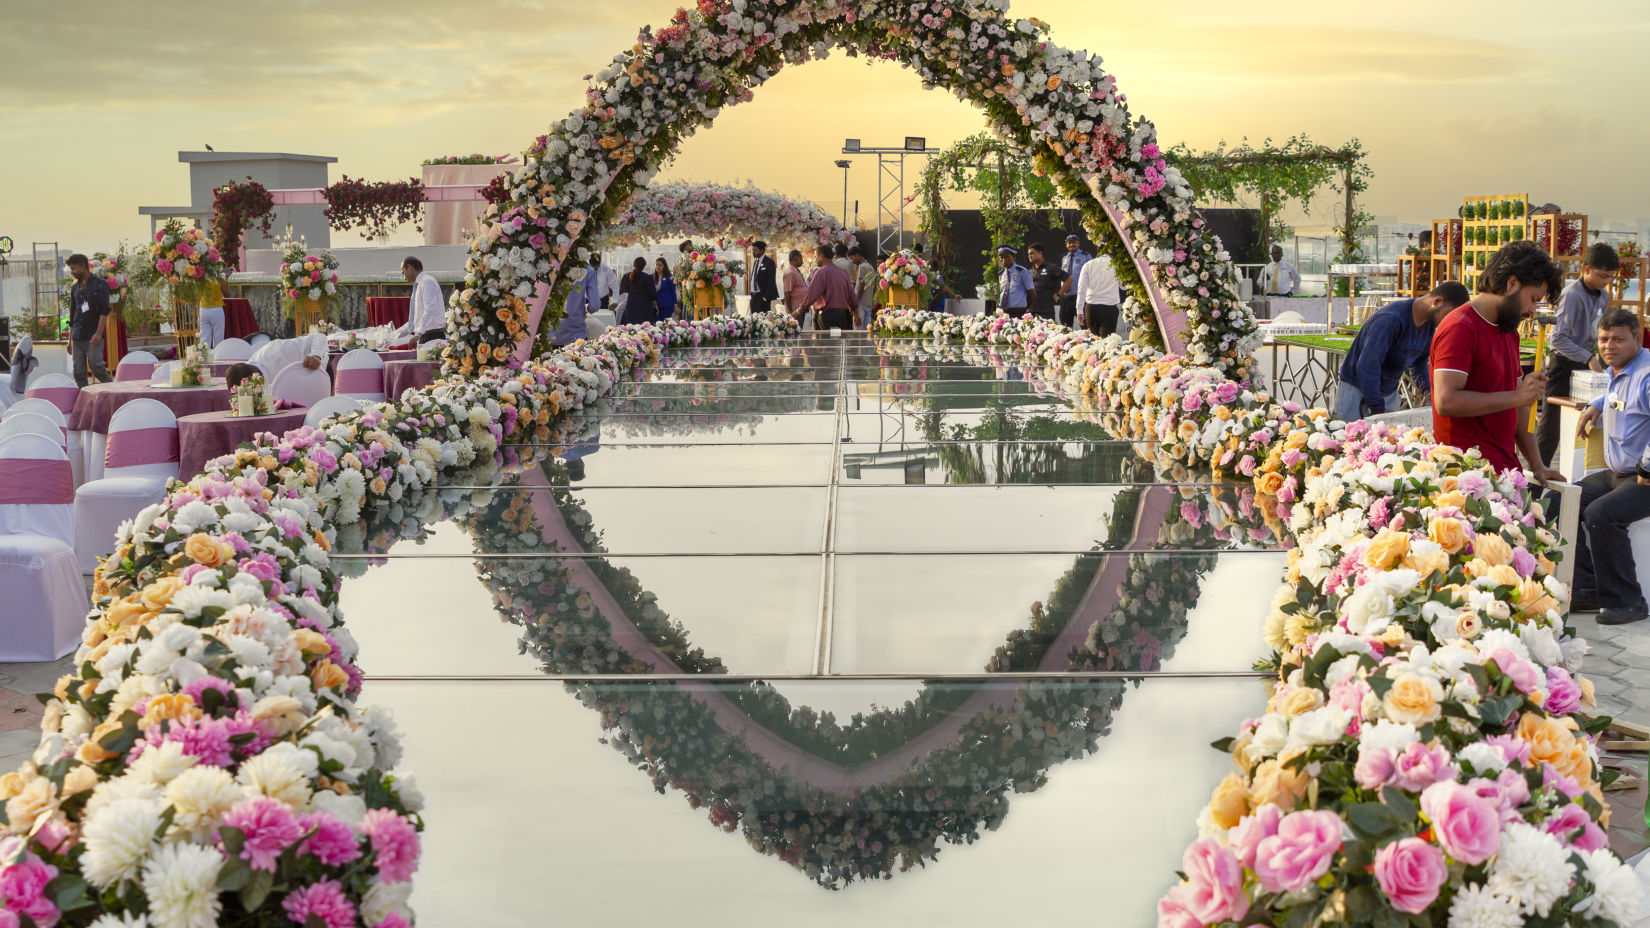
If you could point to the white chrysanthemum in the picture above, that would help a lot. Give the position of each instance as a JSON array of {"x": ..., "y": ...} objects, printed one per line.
[
  {"x": 119, "y": 837},
  {"x": 1616, "y": 893},
  {"x": 283, "y": 772},
  {"x": 161, "y": 764},
  {"x": 125, "y": 920},
  {"x": 407, "y": 789},
  {"x": 1478, "y": 907},
  {"x": 182, "y": 885},
  {"x": 1531, "y": 867},
  {"x": 193, "y": 516},
  {"x": 349, "y": 809},
  {"x": 199, "y": 797},
  {"x": 383, "y": 898}
]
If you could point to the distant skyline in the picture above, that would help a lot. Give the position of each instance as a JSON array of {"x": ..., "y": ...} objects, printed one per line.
[{"x": 1448, "y": 99}]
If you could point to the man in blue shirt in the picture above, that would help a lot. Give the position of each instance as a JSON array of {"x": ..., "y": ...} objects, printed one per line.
[
  {"x": 1014, "y": 286},
  {"x": 1072, "y": 266},
  {"x": 1396, "y": 338},
  {"x": 586, "y": 293},
  {"x": 1584, "y": 300},
  {"x": 1614, "y": 498}
]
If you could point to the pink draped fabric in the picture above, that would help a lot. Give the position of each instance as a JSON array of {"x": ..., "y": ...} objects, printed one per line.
[
  {"x": 141, "y": 446},
  {"x": 61, "y": 397},
  {"x": 24, "y": 481},
  {"x": 359, "y": 380},
  {"x": 535, "y": 312}
]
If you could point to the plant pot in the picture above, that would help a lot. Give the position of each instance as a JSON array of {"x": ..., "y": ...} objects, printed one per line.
[{"x": 902, "y": 296}]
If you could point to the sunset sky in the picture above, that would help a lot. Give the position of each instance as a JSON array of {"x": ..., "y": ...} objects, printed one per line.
[{"x": 1450, "y": 99}]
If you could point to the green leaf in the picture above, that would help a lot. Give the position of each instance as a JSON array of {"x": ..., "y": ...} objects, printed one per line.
[
  {"x": 1400, "y": 803},
  {"x": 257, "y": 889},
  {"x": 1361, "y": 904},
  {"x": 1224, "y": 745},
  {"x": 1379, "y": 684},
  {"x": 68, "y": 892},
  {"x": 233, "y": 839},
  {"x": 1496, "y": 712},
  {"x": 234, "y": 875},
  {"x": 1373, "y": 818}
]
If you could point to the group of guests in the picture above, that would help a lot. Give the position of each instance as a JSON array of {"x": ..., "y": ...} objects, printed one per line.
[
  {"x": 1466, "y": 348},
  {"x": 1081, "y": 290}
]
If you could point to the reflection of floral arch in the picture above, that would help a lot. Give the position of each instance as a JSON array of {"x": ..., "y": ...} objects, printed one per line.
[
  {"x": 1054, "y": 103},
  {"x": 723, "y": 213}
]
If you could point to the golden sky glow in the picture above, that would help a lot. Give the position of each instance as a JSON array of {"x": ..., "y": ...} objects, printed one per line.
[{"x": 1450, "y": 98}]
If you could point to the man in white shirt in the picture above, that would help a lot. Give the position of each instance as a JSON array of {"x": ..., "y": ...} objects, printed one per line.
[
  {"x": 1098, "y": 296},
  {"x": 427, "y": 319},
  {"x": 1280, "y": 277},
  {"x": 272, "y": 357},
  {"x": 607, "y": 282}
]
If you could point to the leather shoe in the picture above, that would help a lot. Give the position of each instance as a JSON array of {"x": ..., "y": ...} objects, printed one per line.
[
  {"x": 1583, "y": 601},
  {"x": 1623, "y": 615}
]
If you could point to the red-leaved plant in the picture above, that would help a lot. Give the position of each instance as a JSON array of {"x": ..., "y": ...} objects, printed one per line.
[
  {"x": 377, "y": 209},
  {"x": 237, "y": 206}
]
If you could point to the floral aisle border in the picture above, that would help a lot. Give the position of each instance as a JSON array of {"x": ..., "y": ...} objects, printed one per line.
[
  {"x": 1420, "y": 761},
  {"x": 206, "y": 761},
  {"x": 724, "y": 213},
  {"x": 1056, "y": 104}
]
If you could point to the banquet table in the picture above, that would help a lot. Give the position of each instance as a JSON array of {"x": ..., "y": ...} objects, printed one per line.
[
  {"x": 400, "y": 376},
  {"x": 388, "y": 354},
  {"x": 238, "y": 321},
  {"x": 388, "y": 310},
  {"x": 97, "y": 402},
  {"x": 204, "y": 436}
]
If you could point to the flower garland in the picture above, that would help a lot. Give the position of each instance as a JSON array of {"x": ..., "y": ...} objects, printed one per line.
[
  {"x": 376, "y": 209},
  {"x": 726, "y": 213},
  {"x": 1052, "y": 102},
  {"x": 1420, "y": 754},
  {"x": 471, "y": 159},
  {"x": 236, "y": 207}
]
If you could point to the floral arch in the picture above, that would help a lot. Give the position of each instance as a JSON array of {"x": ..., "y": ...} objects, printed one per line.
[
  {"x": 725, "y": 213},
  {"x": 1056, "y": 104}
]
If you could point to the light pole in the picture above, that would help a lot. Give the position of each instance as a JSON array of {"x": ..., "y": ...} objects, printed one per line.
[{"x": 844, "y": 163}]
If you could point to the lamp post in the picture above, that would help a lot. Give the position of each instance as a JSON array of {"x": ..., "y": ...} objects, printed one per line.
[{"x": 844, "y": 163}]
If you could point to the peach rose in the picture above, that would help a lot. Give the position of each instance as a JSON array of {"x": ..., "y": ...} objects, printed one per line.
[
  {"x": 156, "y": 595},
  {"x": 124, "y": 612},
  {"x": 1468, "y": 624},
  {"x": 1269, "y": 484},
  {"x": 1387, "y": 550},
  {"x": 1589, "y": 697},
  {"x": 1453, "y": 499},
  {"x": 1278, "y": 785},
  {"x": 1413, "y": 699},
  {"x": 203, "y": 549},
  {"x": 1300, "y": 700},
  {"x": 79, "y": 780},
  {"x": 38, "y": 798},
  {"x": 93, "y": 752},
  {"x": 1426, "y": 563},
  {"x": 1503, "y": 575},
  {"x": 1230, "y": 801},
  {"x": 1492, "y": 548},
  {"x": 171, "y": 706},
  {"x": 1449, "y": 534},
  {"x": 1554, "y": 741},
  {"x": 327, "y": 674},
  {"x": 311, "y": 642}
]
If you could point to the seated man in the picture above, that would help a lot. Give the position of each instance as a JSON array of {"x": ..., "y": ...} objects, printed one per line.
[
  {"x": 277, "y": 354},
  {"x": 1615, "y": 498},
  {"x": 1395, "y": 339},
  {"x": 238, "y": 372}
]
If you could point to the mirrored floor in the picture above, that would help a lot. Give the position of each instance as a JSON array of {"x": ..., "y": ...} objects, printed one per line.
[{"x": 897, "y": 615}]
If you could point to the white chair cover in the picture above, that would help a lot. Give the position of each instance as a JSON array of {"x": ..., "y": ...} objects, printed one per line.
[
  {"x": 137, "y": 365},
  {"x": 257, "y": 340},
  {"x": 331, "y": 406},
  {"x": 40, "y": 582},
  {"x": 361, "y": 375},
  {"x": 163, "y": 373},
  {"x": 60, "y": 390},
  {"x": 230, "y": 350},
  {"x": 297, "y": 384},
  {"x": 32, "y": 423},
  {"x": 142, "y": 456}
]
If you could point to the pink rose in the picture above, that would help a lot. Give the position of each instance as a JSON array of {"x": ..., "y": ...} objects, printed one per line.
[
  {"x": 1467, "y": 826},
  {"x": 1375, "y": 767},
  {"x": 1245, "y": 837},
  {"x": 1300, "y": 852},
  {"x": 1563, "y": 694},
  {"x": 1213, "y": 891},
  {"x": 1172, "y": 911},
  {"x": 1410, "y": 872},
  {"x": 1419, "y": 766},
  {"x": 1520, "y": 671},
  {"x": 1571, "y": 825},
  {"x": 164, "y": 266},
  {"x": 185, "y": 249}
]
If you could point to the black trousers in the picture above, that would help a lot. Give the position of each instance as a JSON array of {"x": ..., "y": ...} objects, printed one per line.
[
  {"x": 825, "y": 319},
  {"x": 1604, "y": 557},
  {"x": 1068, "y": 311},
  {"x": 1559, "y": 369},
  {"x": 1102, "y": 319},
  {"x": 760, "y": 304}
]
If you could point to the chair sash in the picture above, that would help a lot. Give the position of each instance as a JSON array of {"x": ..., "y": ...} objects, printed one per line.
[
  {"x": 26, "y": 481},
  {"x": 359, "y": 380},
  {"x": 134, "y": 370},
  {"x": 61, "y": 397},
  {"x": 132, "y": 447}
]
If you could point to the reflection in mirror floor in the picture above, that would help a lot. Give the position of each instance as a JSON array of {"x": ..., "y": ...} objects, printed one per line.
[{"x": 897, "y": 623}]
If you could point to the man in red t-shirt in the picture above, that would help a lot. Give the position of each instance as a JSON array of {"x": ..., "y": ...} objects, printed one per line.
[{"x": 1478, "y": 398}]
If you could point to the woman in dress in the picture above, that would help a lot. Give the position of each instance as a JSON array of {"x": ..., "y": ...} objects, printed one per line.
[
  {"x": 666, "y": 285},
  {"x": 640, "y": 295}
]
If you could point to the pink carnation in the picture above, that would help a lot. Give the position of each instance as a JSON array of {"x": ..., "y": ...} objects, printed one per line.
[
  {"x": 1301, "y": 851},
  {"x": 1410, "y": 872},
  {"x": 270, "y": 828},
  {"x": 164, "y": 266},
  {"x": 325, "y": 900},
  {"x": 394, "y": 844},
  {"x": 332, "y": 841},
  {"x": 1467, "y": 826}
]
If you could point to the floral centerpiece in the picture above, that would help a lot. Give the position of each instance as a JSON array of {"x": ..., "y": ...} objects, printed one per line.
[
  {"x": 705, "y": 278},
  {"x": 183, "y": 258},
  {"x": 192, "y": 370},
  {"x": 307, "y": 278},
  {"x": 114, "y": 271},
  {"x": 904, "y": 279},
  {"x": 251, "y": 398}
]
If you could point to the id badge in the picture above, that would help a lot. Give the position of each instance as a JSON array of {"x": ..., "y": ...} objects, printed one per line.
[{"x": 85, "y": 306}]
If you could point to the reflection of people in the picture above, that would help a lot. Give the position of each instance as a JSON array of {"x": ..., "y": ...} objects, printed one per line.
[
  {"x": 641, "y": 296},
  {"x": 1571, "y": 348},
  {"x": 427, "y": 317},
  {"x": 1395, "y": 339},
  {"x": 1478, "y": 399},
  {"x": 1014, "y": 284},
  {"x": 1614, "y": 498},
  {"x": 1280, "y": 277},
  {"x": 764, "y": 289},
  {"x": 88, "y": 310},
  {"x": 276, "y": 355},
  {"x": 833, "y": 291},
  {"x": 211, "y": 313},
  {"x": 666, "y": 285},
  {"x": 1098, "y": 296},
  {"x": 575, "y": 454},
  {"x": 1072, "y": 266}
]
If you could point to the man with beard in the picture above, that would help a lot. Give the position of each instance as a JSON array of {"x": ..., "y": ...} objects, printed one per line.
[{"x": 1478, "y": 399}]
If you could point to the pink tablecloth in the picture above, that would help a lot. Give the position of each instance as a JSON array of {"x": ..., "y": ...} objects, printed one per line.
[
  {"x": 238, "y": 321},
  {"x": 398, "y": 354},
  {"x": 400, "y": 376},
  {"x": 98, "y": 401},
  {"x": 206, "y": 435},
  {"x": 388, "y": 310}
]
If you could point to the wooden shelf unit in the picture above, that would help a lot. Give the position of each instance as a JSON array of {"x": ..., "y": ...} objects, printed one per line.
[
  {"x": 1490, "y": 222},
  {"x": 1448, "y": 238},
  {"x": 1633, "y": 271}
]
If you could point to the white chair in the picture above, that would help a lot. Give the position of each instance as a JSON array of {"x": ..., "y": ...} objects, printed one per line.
[
  {"x": 137, "y": 365},
  {"x": 142, "y": 456},
  {"x": 32, "y": 423},
  {"x": 298, "y": 384},
  {"x": 331, "y": 406},
  {"x": 163, "y": 373},
  {"x": 361, "y": 375},
  {"x": 60, "y": 390},
  {"x": 258, "y": 340},
  {"x": 23, "y": 354},
  {"x": 40, "y": 407},
  {"x": 230, "y": 350},
  {"x": 45, "y": 597}
]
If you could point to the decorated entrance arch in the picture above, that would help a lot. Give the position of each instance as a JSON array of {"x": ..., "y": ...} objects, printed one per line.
[
  {"x": 723, "y": 213},
  {"x": 1056, "y": 104}
]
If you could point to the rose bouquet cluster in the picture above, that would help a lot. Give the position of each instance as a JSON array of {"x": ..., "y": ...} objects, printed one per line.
[
  {"x": 307, "y": 276},
  {"x": 182, "y": 258},
  {"x": 112, "y": 270},
  {"x": 704, "y": 272},
  {"x": 1054, "y": 102},
  {"x": 904, "y": 273},
  {"x": 719, "y": 212}
]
